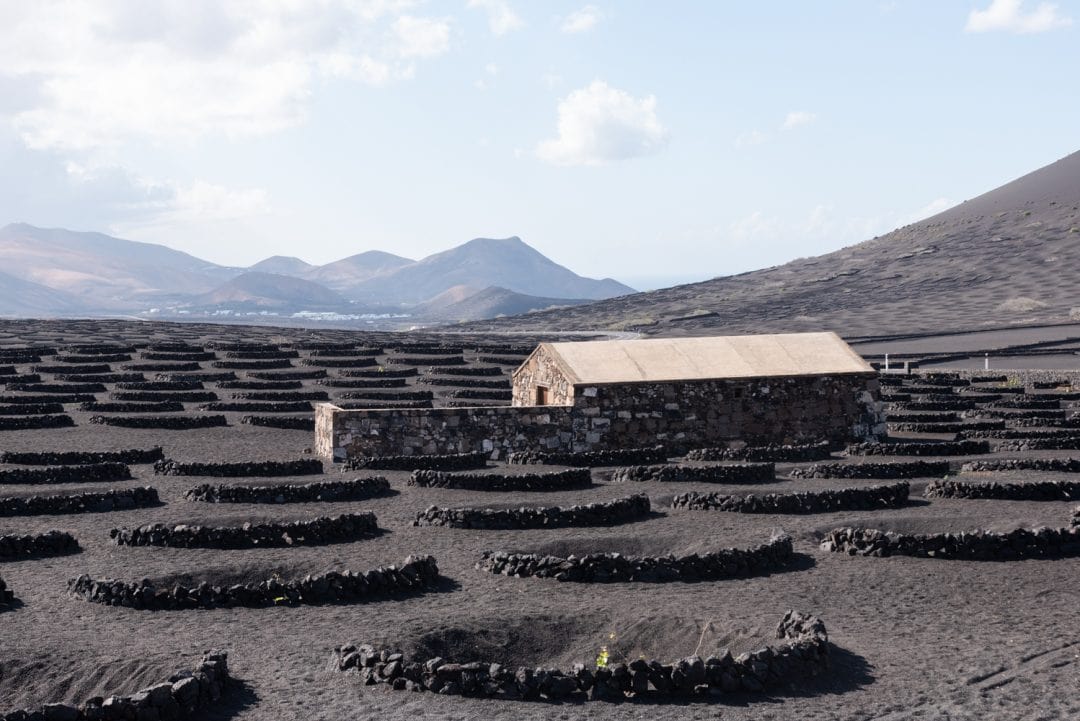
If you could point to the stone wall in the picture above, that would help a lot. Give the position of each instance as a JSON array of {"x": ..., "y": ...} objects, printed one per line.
[
  {"x": 412, "y": 431},
  {"x": 837, "y": 409},
  {"x": 418, "y": 573},
  {"x": 974, "y": 546},
  {"x": 842, "y": 499},
  {"x": 898, "y": 469},
  {"x": 52, "y": 543},
  {"x": 733, "y": 473},
  {"x": 804, "y": 651},
  {"x": 181, "y": 696},
  {"x": 620, "y": 510},
  {"x": 86, "y": 473},
  {"x": 316, "y": 532},
  {"x": 614, "y": 567},
  {"x": 1027, "y": 491},
  {"x": 79, "y": 502},
  {"x": 326, "y": 491},
  {"x": 570, "y": 479},
  {"x": 301, "y": 467}
]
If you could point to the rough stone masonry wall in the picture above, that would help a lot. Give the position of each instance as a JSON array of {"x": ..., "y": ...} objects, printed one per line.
[
  {"x": 762, "y": 411},
  {"x": 411, "y": 431},
  {"x": 703, "y": 413},
  {"x": 181, "y": 696},
  {"x": 804, "y": 650},
  {"x": 541, "y": 369}
]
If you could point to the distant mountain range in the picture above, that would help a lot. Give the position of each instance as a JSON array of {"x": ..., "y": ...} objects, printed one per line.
[
  {"x": 57, "y": 272},
  {"x": 1006, "y": 257}
]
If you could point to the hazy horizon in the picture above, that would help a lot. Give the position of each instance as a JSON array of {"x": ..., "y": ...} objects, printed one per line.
[{"x": 620, "y": 140}]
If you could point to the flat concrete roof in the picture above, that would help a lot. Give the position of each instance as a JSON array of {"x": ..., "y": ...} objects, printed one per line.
[{"x": 706, "y": 358}]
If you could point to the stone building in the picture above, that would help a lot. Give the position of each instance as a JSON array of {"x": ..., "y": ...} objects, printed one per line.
[{"x": 598, "y": 395}]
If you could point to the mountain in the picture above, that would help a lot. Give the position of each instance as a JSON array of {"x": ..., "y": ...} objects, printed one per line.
[
  {"x": 20, "y": 297},
  {"x": 507, "y": 263},
  {"x": 1004, "y": 258},
  {"x": 271, "y": 290},
  {"x": 282, "y": 265},
  {"x": 346, "y": 274},
  {"x": 488, "y": 303},
  {"x": 103, "y": 272},
  {"x": 57, "y": 271}
]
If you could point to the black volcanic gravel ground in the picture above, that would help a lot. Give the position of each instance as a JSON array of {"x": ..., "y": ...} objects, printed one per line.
[{"x": 914, "y": 638}]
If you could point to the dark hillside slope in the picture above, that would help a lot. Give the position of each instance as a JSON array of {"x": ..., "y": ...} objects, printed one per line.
[{"x": 1007, "y": 257}]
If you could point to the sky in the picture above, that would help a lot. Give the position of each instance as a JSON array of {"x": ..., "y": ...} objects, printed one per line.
[{"x": 652, "y": 142}]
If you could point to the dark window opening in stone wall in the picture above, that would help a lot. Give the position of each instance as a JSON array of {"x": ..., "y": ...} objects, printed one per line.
[{"x": 543, "y": 396}]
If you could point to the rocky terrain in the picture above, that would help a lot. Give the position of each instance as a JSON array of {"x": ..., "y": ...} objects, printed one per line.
[{"x": 934, "y": 605}]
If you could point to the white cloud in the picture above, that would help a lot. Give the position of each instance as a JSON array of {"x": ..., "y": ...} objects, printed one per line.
[
  {"x": 501, "y": 17},
  {"x": 753, "y": 137},
  {"x": 600, "y": 124},
  {"x": 798, "y": 117},
  {"x": 110, "y": 71},
  {"x": 421, "y": 37},
  {"x": 582, "y": 20},
  {"x": 1009, "y": 15}
]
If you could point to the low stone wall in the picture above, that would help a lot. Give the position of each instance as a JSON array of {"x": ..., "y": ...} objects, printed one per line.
[
  {"x": 295, "y": 375},
  {"x": 200, "y": 375},
  {"x": 942, "y": 417},
  {"x": 288, "y": 423},
  {"x": 48, "y": 398},
  {"x": 262, "y": 385},
  {"x": 1058, "y": 465},
  {"x": 256, "y": 407},
  {"x": 328, "y": 491},
  {"x": 366, "y": 382},
  {"x": 439, "y": 431},
  {"x": 1021, "y": 433},
  {"x": 66, "y": 388},
  {"x": 775, "y": 453},
  {"x": 416, "y": 574},
  {"x": 590, "y": 459},
  {"x": 620, "y": 510},
  {"x": 161, "y": 367},
  {"x": 302, "y": 467},
  {"x": 132, "y": 407},
  {"x": 555, "y": 481},
  {"x": 52, "y": 543},
  {"x": 362, "y": 362},
  {"x": 443, "y": 462},
  {"x": 947, "y": 427},
  {"x": 1060, "y": 443},
  {"x": 70, "y": 458},
  {"x": 484, "y": 395},
  {"x": 735, "y": 473},
  {"x": 280, "y": 396},
  {"x": 804, "y": 651},
  {"x": 616, "y": 567},
  {"x": 1073, "y": 422},
  {"x": 182, "y": 696},
  {"x": 25, "y": 423},
  {"x": 370, "y": 395},
  {"x": 842, "y": 499},
  {"x": 31, "y": 409},
  {"x": 162, "y": 396},
  {"x": 86, "y": 473},
  {"x": 899, "y": 469},
  {"x": 444, "y": 381},
  {"x": 1030, "y": 491},
  {"x": 172, "y": 385},
  {"x": 251, "y": 364},
  {"x": 974, "y": 546},
  {"x": 934, "y": 448},
  {"x": 168, "y": 423},
  {"x": 64, "y": 503},
  {"x": 316, "y": 532}
]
